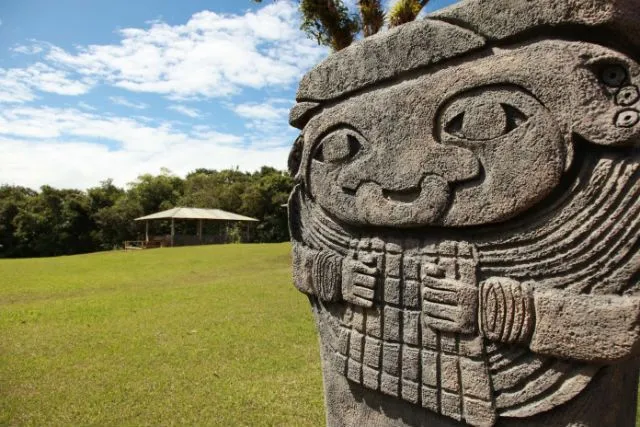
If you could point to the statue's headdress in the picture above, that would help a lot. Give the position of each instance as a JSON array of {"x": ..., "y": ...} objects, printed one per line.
[{"x": 467, "y": 27}]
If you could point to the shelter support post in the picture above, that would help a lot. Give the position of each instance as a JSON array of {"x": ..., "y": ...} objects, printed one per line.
[
  {"x": 146, "y": 231},
  {"x": 173, "y": 230},
  {"x": 200, "y": 230}
]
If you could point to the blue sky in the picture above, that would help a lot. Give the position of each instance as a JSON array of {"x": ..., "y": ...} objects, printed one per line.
[{"x": 114, "y": 89}]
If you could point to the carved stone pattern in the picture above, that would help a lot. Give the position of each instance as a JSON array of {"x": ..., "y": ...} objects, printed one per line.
[
  {"x": 387, "y": 348},
  {"x": 466, "y": 217}
]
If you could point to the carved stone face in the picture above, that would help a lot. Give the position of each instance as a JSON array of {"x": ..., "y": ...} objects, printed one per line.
[
  {"x": 473, "y": 144},
  {"x": 466, "y": 218}
]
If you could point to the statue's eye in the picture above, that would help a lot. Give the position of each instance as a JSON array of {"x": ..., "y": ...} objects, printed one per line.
[
  {"x": 338, "y": 146},
  {"x": 484, "y": 121}
]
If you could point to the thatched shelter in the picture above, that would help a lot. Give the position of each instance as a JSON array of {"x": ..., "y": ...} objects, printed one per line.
[{"x": 187, "y": 214}]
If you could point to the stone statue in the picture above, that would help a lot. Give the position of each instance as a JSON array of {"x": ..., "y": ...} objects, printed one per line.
[{"x": 466, "y": 219}]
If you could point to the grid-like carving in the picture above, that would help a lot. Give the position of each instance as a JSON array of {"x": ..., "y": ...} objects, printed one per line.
[{"x": 389, "y": 349}]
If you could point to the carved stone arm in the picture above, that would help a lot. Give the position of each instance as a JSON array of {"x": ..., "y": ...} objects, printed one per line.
[
  {"x": 317, "y": 273},
  {"x": 589, "y": 328},
  {"x": 506, "y": 311}
]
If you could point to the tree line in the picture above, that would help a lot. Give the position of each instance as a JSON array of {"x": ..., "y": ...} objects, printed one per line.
[{"x": 52, "y": 222}]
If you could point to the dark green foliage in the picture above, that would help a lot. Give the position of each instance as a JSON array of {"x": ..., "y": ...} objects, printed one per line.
[
  {"x": 61, "y": 222},
  {"x": 12, "y": 201},
  {"x": 372, "y": 16},
  {"x": 54, "y": 222},
  {"x": 265, "y": 199},
  {"x": 329, "y": 21},
  {"x": 157, "y": 193},
  {"x": 404, "y": 11},
  {"x": 114, "y": 224}
]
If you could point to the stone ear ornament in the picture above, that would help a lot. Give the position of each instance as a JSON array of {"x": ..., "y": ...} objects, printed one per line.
[
  {"x": 627, "y": 118},
  {"x": 627, "y": 96},
  {"x": 616, "y": 77},
  {"x": 609, "y": 105}
]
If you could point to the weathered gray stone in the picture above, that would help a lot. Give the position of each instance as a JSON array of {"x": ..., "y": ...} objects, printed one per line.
[{"x": 466, "y": 219}]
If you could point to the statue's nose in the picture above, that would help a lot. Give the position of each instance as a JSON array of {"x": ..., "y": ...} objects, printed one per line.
[
  {"x": 400, "y": 170},
  {"x": 454, "y": 164}
]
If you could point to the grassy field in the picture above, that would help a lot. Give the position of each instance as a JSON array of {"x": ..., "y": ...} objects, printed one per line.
[{"x": 213, "y": 335}]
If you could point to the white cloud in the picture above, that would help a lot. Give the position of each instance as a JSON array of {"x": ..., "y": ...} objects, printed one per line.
[
  {"x": 56, "y": 123},
  {"x": 86, "y": 106},
  {"x": 12, "y": 89},
  {"x": 28, "y": 50},
  {"x": 119, "y": 100},
  {"x": 212, "y": 55},
  {"x": 59, "y": 147},
  {"x": 207, "y": 133},
  {"x": 267, "y": 122},
  {"x": 18, "y": 85},
  {"x": 261, "y": 111},
  {"x": 65, "y": 164},
  {"x": 194, "y": 113},
  {"x": 266, "y": 118}
]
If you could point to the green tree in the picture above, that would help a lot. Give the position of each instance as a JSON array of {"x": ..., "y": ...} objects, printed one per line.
[
  {"x": 61, "y": 222},
  {"x": 105, "y": 195},
  {"x": 265, "y": 198},
  {"x": 404, "y": 11},
  {"x": 201, "y": 191},
  {"x": 55, "y": 222},
  {"x": 331, "y": 24},
  {"x": 157, "y": 193},
  {"x": 372, "y": 16},
  {"x": 212, "y": 189},
  {"x": 115, "y": 224},
  {"x": 12, "y": 200}
]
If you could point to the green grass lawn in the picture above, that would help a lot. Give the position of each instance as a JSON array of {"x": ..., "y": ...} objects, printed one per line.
[{"x": 212, "y": 335}]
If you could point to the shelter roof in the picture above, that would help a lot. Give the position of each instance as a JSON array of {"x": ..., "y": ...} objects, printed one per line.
[{"x": 197, "y": 213}]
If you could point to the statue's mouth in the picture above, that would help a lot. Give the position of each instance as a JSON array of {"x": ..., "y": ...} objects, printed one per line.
[
  {"x": 405, "y": 196},
  {"x": 416, "y": 206},
  {"x": 402, "y": 196}
]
